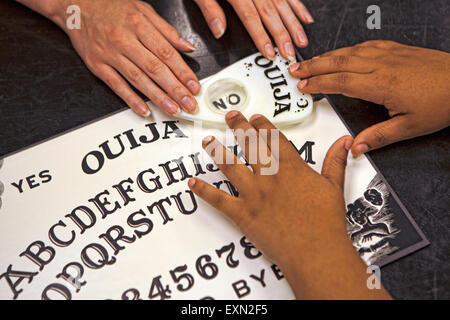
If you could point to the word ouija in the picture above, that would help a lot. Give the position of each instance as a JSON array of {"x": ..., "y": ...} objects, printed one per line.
[
  {"x": 273, "y": 72},
  {"x": 94, "y": 160}
]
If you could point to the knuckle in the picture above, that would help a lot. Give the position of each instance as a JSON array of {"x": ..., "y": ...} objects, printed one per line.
[
  {"x": 165, "y": 52},
  {"x": 355, "y": 50},
  {"x": 134, "y": 76},
  {"x": 249, "y": 15},
  {"x": 380, "y": 136},
  {"x": 210, "y": 6},
  {"x": 340, "y": 61},
  {"x": 219, "y": 200},
  {"x": 338, "y": 162},
  {"x": 342, "y": 80},
  {"x": 366, "y": 43},
  {"x": 172, "y": 32},
  {"x": 143, "y": 4},
  {"x": 154, "y": 67},
  {"x": 266, "y": 10},
  {"x": 116, "y": 36},
  {"x": 112, "y": 83},
  {"x": 411, "y": 126},
  {"x": 135, "y": 18},
  {"x": 307, "y": 66}
]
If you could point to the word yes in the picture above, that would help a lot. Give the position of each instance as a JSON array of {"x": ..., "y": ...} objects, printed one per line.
[{"x": 32, "y": 181}]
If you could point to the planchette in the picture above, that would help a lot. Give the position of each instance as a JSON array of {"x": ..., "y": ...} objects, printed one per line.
[{"x": 252, "y": 85}]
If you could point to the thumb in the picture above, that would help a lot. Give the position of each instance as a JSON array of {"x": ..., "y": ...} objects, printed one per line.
[
  {"x": 214, "y": 16},
  {"x": 335, "y": 161},
  {"x": 380, "y": 135}
]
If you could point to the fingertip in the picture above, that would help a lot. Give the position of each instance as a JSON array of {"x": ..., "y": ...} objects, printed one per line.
[
  {"x": 186, "y": 46},
  {"x": 302, "y": 84},
  {"x": 147, "y": 114},
  {"x": 269, "y": 51},
  {"x": 169, "y": 107},
  {"x": 142, "y": 109},
  {"x": 348, "y": 142},
  {"x": 207, "y": 140},
  {"x": 254, "y": 117},
  {"x": 293, "y": 68},
  {"x": 359, "y": 149},
  {"x": 305, "y": 16},
  {"x": 189, "y": 104},
  {"x": 302, "y": 39},
  {"x": 191, "y": 183},
  {"x": 232, "y": 114},
  {"x": 193, "y": 86},
  {"x": 217, "y": 27},
  {"x": 289, "y": 52},
  {"x": 308, "y": 19}
]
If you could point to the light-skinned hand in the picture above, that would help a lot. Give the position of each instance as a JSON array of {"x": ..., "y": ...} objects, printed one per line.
[
  {"x": 282, "y": 18},
  {"x": 124, "y": 41}
]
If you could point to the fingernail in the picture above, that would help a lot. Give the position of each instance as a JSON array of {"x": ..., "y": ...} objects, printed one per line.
[
  {"x": 189, "y": 103},
  {"x": 360, "y": 149},
  {"x": 303, "y": 83},
  {"x": 269, "y": 50},
  {"x": 191, "y": 182},
  {"x": 294, "y": 67},
  {"x": 301, "y": 36},
  {"x": 255, "y": 116},
  {"x": 187, "y": 44},
  {"x": 289, "y": 51},
  {"x": 308, "y": 17},
  {"x": 348, "y": 144},
  {"x": 217, "y": 28},
  {"x": 193, "y": 86},
  {"x": 169, "y": 107},
  {"x": 143, "y": 110},
  {"x": 232, "y": 114},
  {"x": 147, "y": 114},
  {"x": 207, "y": 140}
]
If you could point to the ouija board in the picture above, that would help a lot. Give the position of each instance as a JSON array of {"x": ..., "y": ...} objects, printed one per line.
[{"x": 104, "y": 212}]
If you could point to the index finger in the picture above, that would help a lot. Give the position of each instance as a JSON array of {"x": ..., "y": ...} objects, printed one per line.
[
  {"x": 332, "y": 64},
  {"x": 249, "y": 16}
]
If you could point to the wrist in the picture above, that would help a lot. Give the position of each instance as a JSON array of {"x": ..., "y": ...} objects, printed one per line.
[{"x": 332, "y": 270}]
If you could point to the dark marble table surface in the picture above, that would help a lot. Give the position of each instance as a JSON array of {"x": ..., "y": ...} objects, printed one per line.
[{"x": 45, "y": 89}]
